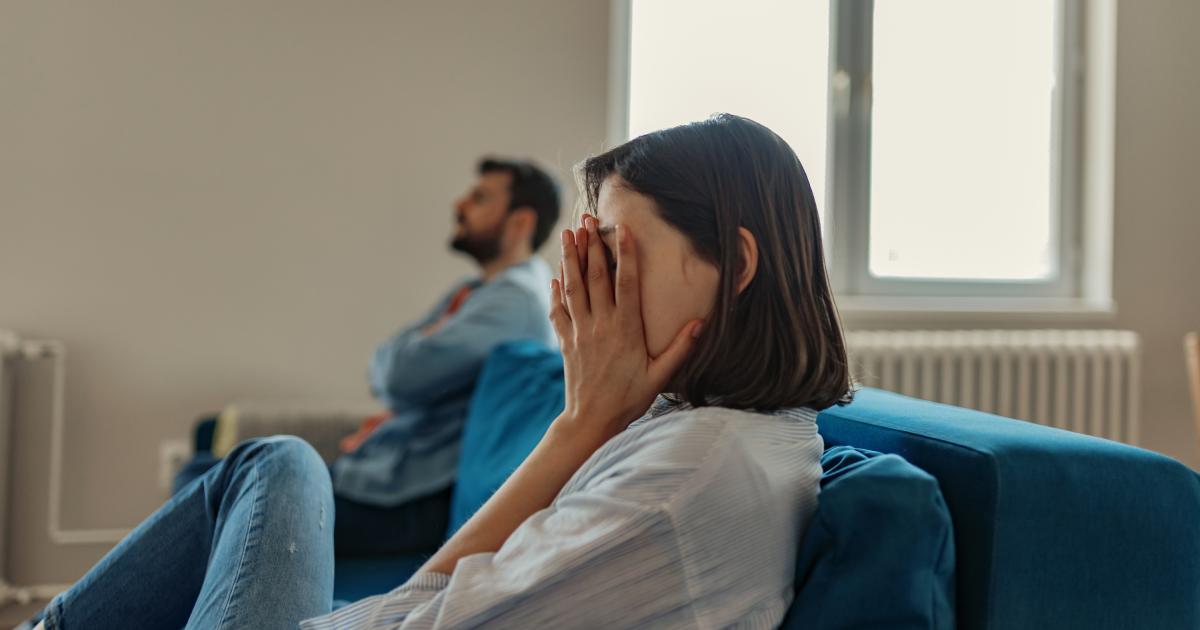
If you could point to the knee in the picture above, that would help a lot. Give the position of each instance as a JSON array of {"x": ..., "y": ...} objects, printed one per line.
[
  {"x": 286, "y": 454},
  {"x": 292, "y": 450}
]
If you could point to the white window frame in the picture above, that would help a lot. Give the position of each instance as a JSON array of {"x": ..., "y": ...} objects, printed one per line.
[{"x": 1083, "y": 129}]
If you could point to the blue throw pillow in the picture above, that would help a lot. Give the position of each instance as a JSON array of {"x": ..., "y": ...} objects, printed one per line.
[
  {"x": 879, "y": 552},
  {"x": 517, "y": 396}
]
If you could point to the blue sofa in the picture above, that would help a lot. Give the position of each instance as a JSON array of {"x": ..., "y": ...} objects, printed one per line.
[{"x": 1051, "y": 529}]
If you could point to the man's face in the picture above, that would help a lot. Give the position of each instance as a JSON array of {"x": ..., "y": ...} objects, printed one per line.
[{"x": 481, "y": 215}]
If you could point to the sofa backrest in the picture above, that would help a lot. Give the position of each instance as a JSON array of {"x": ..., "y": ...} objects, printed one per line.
[
  {"x": 1052, "y": 529},
  {"x": 518, "y": 393}
]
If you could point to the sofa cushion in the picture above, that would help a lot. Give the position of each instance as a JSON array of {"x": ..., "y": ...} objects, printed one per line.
[
  {"x": 357, "y": 577},
  {"x": 518, "y": 394},
  {"x": 879, "y": 551}
]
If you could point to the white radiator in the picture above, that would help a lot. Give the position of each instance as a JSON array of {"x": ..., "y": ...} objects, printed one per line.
[
  {"x": 13, "y": 349},
  {"x": 1081, "y": 380},
  {"x": 9, "y": 348}
]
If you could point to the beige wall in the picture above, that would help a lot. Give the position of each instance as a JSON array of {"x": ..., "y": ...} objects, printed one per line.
[
  {"x": 223, "y": 199},
  {"x": 1157, "y": 223},
  {"x": 217, "y": 200}
]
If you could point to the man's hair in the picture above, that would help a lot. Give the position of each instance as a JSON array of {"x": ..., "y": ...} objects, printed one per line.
[
  {"x": 779, "y": 342},
  {"x": 531, "y": 188}
]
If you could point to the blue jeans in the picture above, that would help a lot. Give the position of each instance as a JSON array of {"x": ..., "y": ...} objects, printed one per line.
[
  {"x": 415, "y": 526},
  {"x": 247, "y": 545}
]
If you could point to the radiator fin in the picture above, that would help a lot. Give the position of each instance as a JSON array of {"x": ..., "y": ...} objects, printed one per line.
[{"x": 1080, "y": 380}]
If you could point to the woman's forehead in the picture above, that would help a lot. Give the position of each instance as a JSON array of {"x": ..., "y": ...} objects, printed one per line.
[{"x": 618, "y": 204}]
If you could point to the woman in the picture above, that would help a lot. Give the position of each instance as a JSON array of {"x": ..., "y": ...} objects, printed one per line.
[{"x": 699, "y": 336}]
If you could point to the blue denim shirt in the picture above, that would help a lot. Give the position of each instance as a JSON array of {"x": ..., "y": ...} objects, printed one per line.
[{"x": 427, "y": 380}]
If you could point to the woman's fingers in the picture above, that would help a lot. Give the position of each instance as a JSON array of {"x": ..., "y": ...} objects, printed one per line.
[
  {"x": 600, "y": 291},
  {"x": 581, "y": 246},
  {"x": 628, "y": 294},
  {"x": 558, "y": 313},
  {"x": 574, "y": 291},
  {"x": 562, "y": 276}
]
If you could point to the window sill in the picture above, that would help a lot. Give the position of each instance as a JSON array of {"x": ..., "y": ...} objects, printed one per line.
[{"x": 969, "y": 309}]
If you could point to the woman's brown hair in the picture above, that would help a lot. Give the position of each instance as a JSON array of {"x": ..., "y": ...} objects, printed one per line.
[{"x": 779, "y": 342}]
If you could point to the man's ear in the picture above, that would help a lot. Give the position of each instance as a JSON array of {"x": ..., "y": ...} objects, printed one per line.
[
  {"x": 747, "y": 258},
  {"x": 522, "y": 222}
]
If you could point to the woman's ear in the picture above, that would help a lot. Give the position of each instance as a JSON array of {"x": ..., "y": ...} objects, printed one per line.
[{"x": 747, "y": 258}]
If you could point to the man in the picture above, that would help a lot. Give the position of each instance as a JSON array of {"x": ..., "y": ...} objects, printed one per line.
[{"x": 393, "y": 488}]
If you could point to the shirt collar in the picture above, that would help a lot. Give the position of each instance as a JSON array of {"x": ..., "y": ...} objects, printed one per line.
[{"x": 668, "y": 403}]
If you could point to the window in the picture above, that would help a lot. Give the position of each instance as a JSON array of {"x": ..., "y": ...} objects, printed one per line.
[
  {"x": 942, "y": 134},
  {"x": 764, "y": 59}
]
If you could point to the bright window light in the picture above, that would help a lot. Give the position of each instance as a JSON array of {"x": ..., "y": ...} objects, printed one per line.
[
  {"x": 961, "y": 141},
  {"x": 764, "y": 59}
]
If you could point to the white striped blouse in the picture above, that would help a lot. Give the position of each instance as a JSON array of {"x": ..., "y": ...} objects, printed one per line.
[{"x": 689, "y": 518}]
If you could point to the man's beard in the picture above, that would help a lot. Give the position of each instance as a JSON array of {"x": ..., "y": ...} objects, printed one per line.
[{"x": 484, "y": 248}]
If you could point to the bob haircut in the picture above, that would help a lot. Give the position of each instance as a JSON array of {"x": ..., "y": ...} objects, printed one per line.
[{"x": 779, "y": 342}]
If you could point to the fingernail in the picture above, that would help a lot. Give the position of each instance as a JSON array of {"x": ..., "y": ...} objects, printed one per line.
[
  {"x": 697, "y": 330},
  {"x": 564, "y": 236},
  {"x": 591, "y": 225}
]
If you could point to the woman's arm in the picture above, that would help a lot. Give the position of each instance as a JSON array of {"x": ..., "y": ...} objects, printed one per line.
[
  {"x": 530, "y": 488},
  {"x": 600, "y": 557},
  {"x": 589, "y": 555}
]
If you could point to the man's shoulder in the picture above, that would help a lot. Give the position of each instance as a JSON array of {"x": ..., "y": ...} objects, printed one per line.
[
  {"x": 529, "y": 280},
  {"x": 531, "y": 274}
]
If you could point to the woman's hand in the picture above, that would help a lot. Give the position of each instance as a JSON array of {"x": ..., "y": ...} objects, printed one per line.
[
  {"x": 610, "y": 380},
  {"x": 610, "y": 377}
]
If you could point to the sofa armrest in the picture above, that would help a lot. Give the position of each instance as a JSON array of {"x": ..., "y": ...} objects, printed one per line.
[
  {"x": 321, "y": 424},
  {"x": 1052, "y": 529}
]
